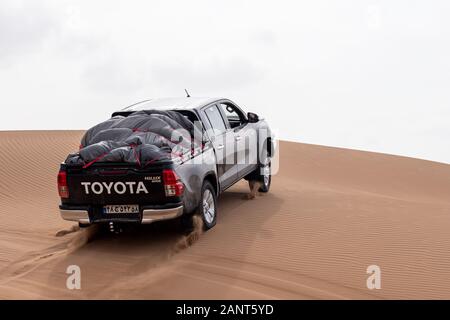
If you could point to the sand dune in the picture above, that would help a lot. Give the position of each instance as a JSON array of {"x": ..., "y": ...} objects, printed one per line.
[{"x": 330, "y": 214}]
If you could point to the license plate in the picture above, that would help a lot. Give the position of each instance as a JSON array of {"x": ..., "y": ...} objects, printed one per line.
[{"x": 121, "y": 208}]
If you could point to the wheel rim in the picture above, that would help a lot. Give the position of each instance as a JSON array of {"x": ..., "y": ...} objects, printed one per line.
[
  {"x": 266, "y": 180},
  {"x": 266, "y": 175},
  {"x": 209, "y": 209}
]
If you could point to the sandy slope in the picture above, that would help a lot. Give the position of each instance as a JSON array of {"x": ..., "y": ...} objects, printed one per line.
[{"x": 331, "y": 213}]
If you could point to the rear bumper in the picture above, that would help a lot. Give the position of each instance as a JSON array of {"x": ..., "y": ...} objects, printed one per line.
[
  {"x": 81, "y": 216},
  {"x": 147, "y": 215},
  {"x": 152, "y": 215}
]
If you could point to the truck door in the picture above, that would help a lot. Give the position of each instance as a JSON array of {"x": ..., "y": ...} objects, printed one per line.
[
  {"x": 223, "y": 140},
  {"x": 244, "y": 135}
]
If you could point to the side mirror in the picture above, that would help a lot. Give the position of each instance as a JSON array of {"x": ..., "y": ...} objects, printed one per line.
[{"x": 252, "y": 117}]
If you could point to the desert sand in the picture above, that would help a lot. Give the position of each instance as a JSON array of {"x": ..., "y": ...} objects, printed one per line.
[{"x": 330, "y": 214}]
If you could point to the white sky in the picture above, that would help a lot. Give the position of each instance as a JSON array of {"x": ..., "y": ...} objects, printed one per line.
[{"x": 371, "y": 75}]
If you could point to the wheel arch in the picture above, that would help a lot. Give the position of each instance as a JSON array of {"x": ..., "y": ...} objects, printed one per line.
[{"x": 212, "y": 178}]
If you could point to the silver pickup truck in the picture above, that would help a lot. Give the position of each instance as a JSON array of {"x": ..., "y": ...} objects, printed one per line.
[{"x": 234, "y": 145}]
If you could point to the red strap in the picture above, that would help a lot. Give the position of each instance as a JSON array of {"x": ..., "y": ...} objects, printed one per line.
[
  {"x": 136, "y": 155},
  {"x": 151, "y": 161},
  {"x": 146, "y": 130},
  {"x": 95, "y": 160},
  {"x": 156, "y": 159}
]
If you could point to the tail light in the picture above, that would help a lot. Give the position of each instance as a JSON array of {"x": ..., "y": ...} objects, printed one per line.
[
  {"x": 172, "y": 184},
  {"x": 63, "y": 190}
]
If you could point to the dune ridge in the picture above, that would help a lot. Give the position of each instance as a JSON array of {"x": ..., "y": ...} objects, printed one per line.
[{"x": 330, "y": 214}]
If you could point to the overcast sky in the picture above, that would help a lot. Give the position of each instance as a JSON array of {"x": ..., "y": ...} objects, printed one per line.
[{"x": 371, "y": 75}]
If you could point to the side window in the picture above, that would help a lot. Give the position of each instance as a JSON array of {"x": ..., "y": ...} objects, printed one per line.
[
  {"x": 215, "y": 119},
  {"x": 234, "y": 116}
]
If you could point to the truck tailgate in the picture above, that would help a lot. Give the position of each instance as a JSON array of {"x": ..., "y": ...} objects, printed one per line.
[{"x": 116, "y": 185}]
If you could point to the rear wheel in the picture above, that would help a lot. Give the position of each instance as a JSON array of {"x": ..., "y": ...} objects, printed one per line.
[{"x": 208, "y": 206}]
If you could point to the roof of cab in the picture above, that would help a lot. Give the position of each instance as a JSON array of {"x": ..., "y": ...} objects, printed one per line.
[{"x": 171, "y": 103}]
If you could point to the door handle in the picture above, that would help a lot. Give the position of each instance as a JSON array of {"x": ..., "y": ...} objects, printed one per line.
[
  {"x": 220, "y": 147},
  {"x": 238, "y": 138}
]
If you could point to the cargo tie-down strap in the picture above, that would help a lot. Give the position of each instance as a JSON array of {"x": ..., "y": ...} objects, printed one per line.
[{"x": 141, "y": 138}]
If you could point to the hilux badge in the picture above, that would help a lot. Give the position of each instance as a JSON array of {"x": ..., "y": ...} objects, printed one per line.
[{"x": 153, "y": 179}]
